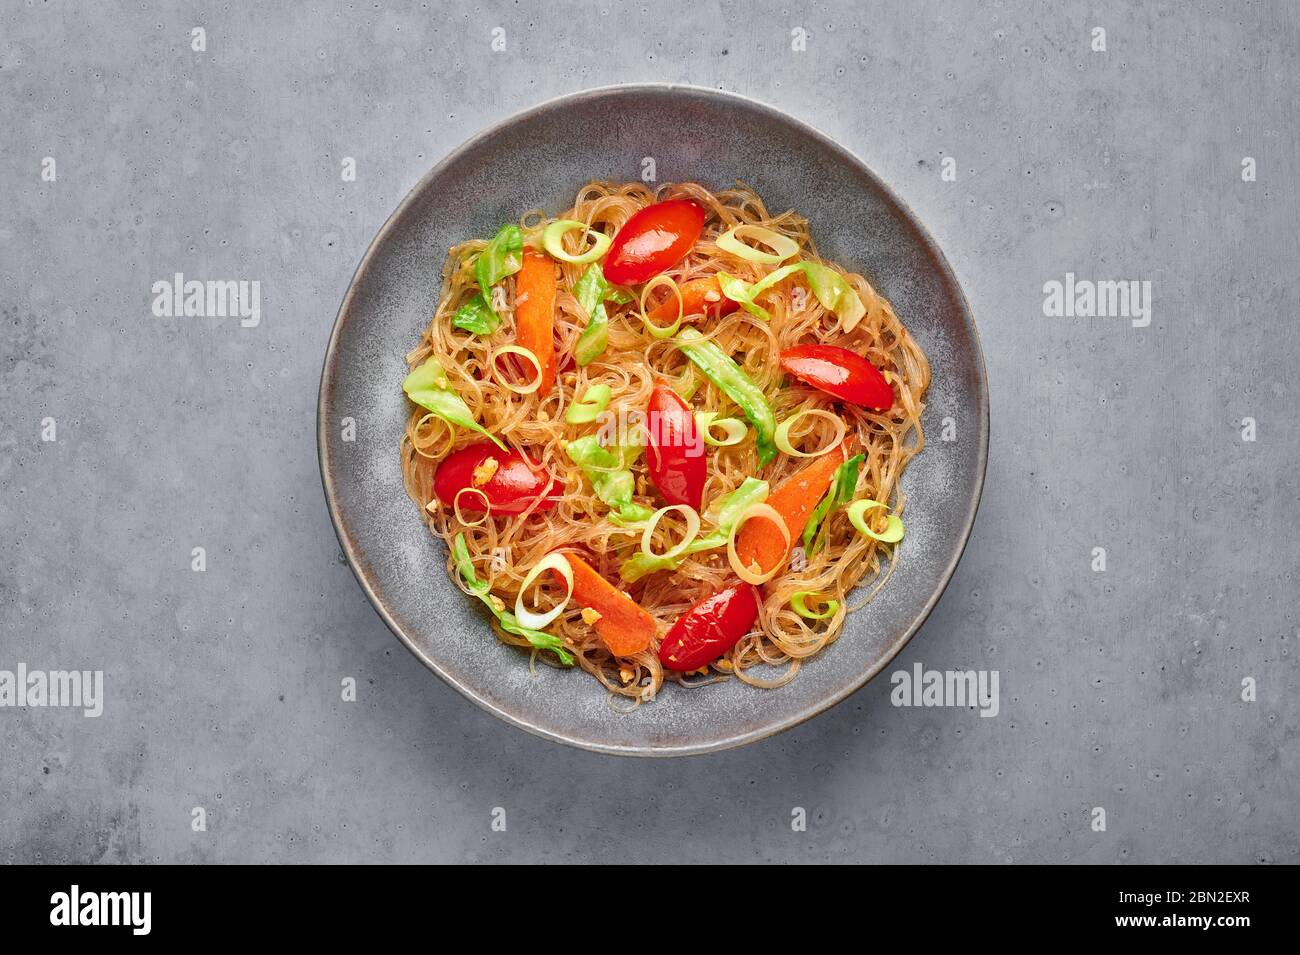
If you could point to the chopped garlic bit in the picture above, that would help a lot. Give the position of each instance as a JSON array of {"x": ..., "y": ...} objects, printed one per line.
[
  {"x": 590, "y": 616},
  {"x": 702, "y": 671},
  {"x": 712, "y": 296},
  {"x": 497, "y": 602},
  {"x": 724, "y": 665},
  {"x": 486, "y": 468},
  {"x": 625, "y": 675},
  {"x": 432, "y": 506},
  {"x": 542, "y": 415}
]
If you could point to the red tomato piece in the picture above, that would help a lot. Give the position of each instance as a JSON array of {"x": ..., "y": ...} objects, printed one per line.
[
  {"x": 674, "y": 449},
  {"x": 710, "y": 628},
  {"x": 655, "y": 239},
  {"x": 507, "y": 479},
  {"x": 839, "y": 372}
]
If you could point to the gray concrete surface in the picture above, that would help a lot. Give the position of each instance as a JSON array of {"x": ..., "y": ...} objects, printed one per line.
[{"x": 1120, "y": 689}]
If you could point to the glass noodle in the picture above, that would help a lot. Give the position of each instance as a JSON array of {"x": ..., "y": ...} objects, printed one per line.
[{"x": 505, "y": 549}]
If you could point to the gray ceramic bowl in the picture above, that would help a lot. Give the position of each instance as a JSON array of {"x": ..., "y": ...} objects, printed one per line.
[{"x": 539, "y": 159}]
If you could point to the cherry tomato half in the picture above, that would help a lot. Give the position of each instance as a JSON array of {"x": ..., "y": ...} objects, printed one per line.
[
  {"x": 674, "y": 449},
  {"x": 839, "y": 372},
  {"x": 507, "y": 479},
  {"x": 654, "y": 239},
  {"x": 710, "y": 628}
]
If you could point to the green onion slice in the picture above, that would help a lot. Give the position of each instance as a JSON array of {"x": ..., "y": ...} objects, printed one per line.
[
  {"x": 782, "y": 246},
  {"x": 733, "y": 428},
  {"x": 857, "y": 511},
  {"x": 483, "y": 591},
  {"x": 593, "y": 403},
  {"x": 783, "y": 433},
  {"x": 662, "y": 331},
  {"x": 799, "y": 603},
  {"x": 692, "y": 529},
  {"x": 553, "y": 241},
  {"x": 536, "y": 621}
]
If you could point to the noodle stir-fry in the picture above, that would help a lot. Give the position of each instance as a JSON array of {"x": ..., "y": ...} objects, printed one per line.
[{"x": 661, "y": 437}]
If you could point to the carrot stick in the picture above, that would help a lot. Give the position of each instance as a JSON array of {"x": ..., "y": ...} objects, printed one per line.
[
  {"x": 535, "y": 313},
  {"x": 759, "y": 543},
  {"x": 695, "y": 301},
  {"x": 624, "y": 627}
]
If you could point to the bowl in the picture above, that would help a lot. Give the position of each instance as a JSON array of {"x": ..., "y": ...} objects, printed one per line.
[{"x": 539, "y": 159}]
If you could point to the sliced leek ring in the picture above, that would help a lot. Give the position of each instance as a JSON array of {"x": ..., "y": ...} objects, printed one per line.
[
  {"x": 455, "y": 506},
  {"x": 553, "y": 241},
  {"x": 857, "y": 511},
  {"x": 662, "y": 331},
  {"x": 782, "y": 439},
  {"x": 766, "y": 512},
  {"x": 587, "y": 409},
  {"x": 537, "y": 621},
  {"x": 692, "y": 529},
  {"x": 734, "y": 429},
  {"x": 799, "y": 603},
  {"x": 524, "y": 353},
  {"x": 782, "y": 246}
]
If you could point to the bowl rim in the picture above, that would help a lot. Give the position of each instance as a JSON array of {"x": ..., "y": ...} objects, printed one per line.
[{"x": 351, "y": 552}]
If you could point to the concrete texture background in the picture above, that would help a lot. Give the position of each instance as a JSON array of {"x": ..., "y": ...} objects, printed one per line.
[{"x": 1120, "y": 689}]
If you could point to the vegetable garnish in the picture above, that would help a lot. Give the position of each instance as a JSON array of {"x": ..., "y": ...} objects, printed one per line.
[
  {"x": 624, "y": 627},
  {"x": 674, "y": 450},
  {"x": 428, "y": 387},
  {"x": 734, "y": 429},
  {"x": 799, "y": 603},
  {"x": 590, "y": 406},
  {"x": 526, "y": 355},
  {"x": 553, "y": 241},
  {"x": 692, "y": 529},
  {"x": 456, "y": 509},
  {"x": 843, "y": 486},
  {"x": 710, "y": 628},
  {"x": 794, "y": 499},
  {"x": 653, "y": 240},
  {"x": 841, "y": 373},
  {"x": 535, "y": 316},
  {"x": 749, "y": 570},
  {"x": 831, "y": 289},
  {"x": 503, "y": 256},
  {"x": 662, "y": 331},
  {"x": 699, "y": 297},
  {"x": 783, "y": 433},
  {"x": 722, "y": 514},
  {"x": 782, "y": 246},
  {"x": 509, "y": 482},
  {"x": 857, "y": 511},
  {"x": 834, "y": 291},
  {"x": 483, "y": 591},
  {"x": 735, "y": 384},
  {"x": 610, "y": 476},
  {"x": 560, "y": 565},
  {"x": 476, "y": 316},
  {"x": 591, "y": 290},
  {"x": 610, "y": 333}
]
